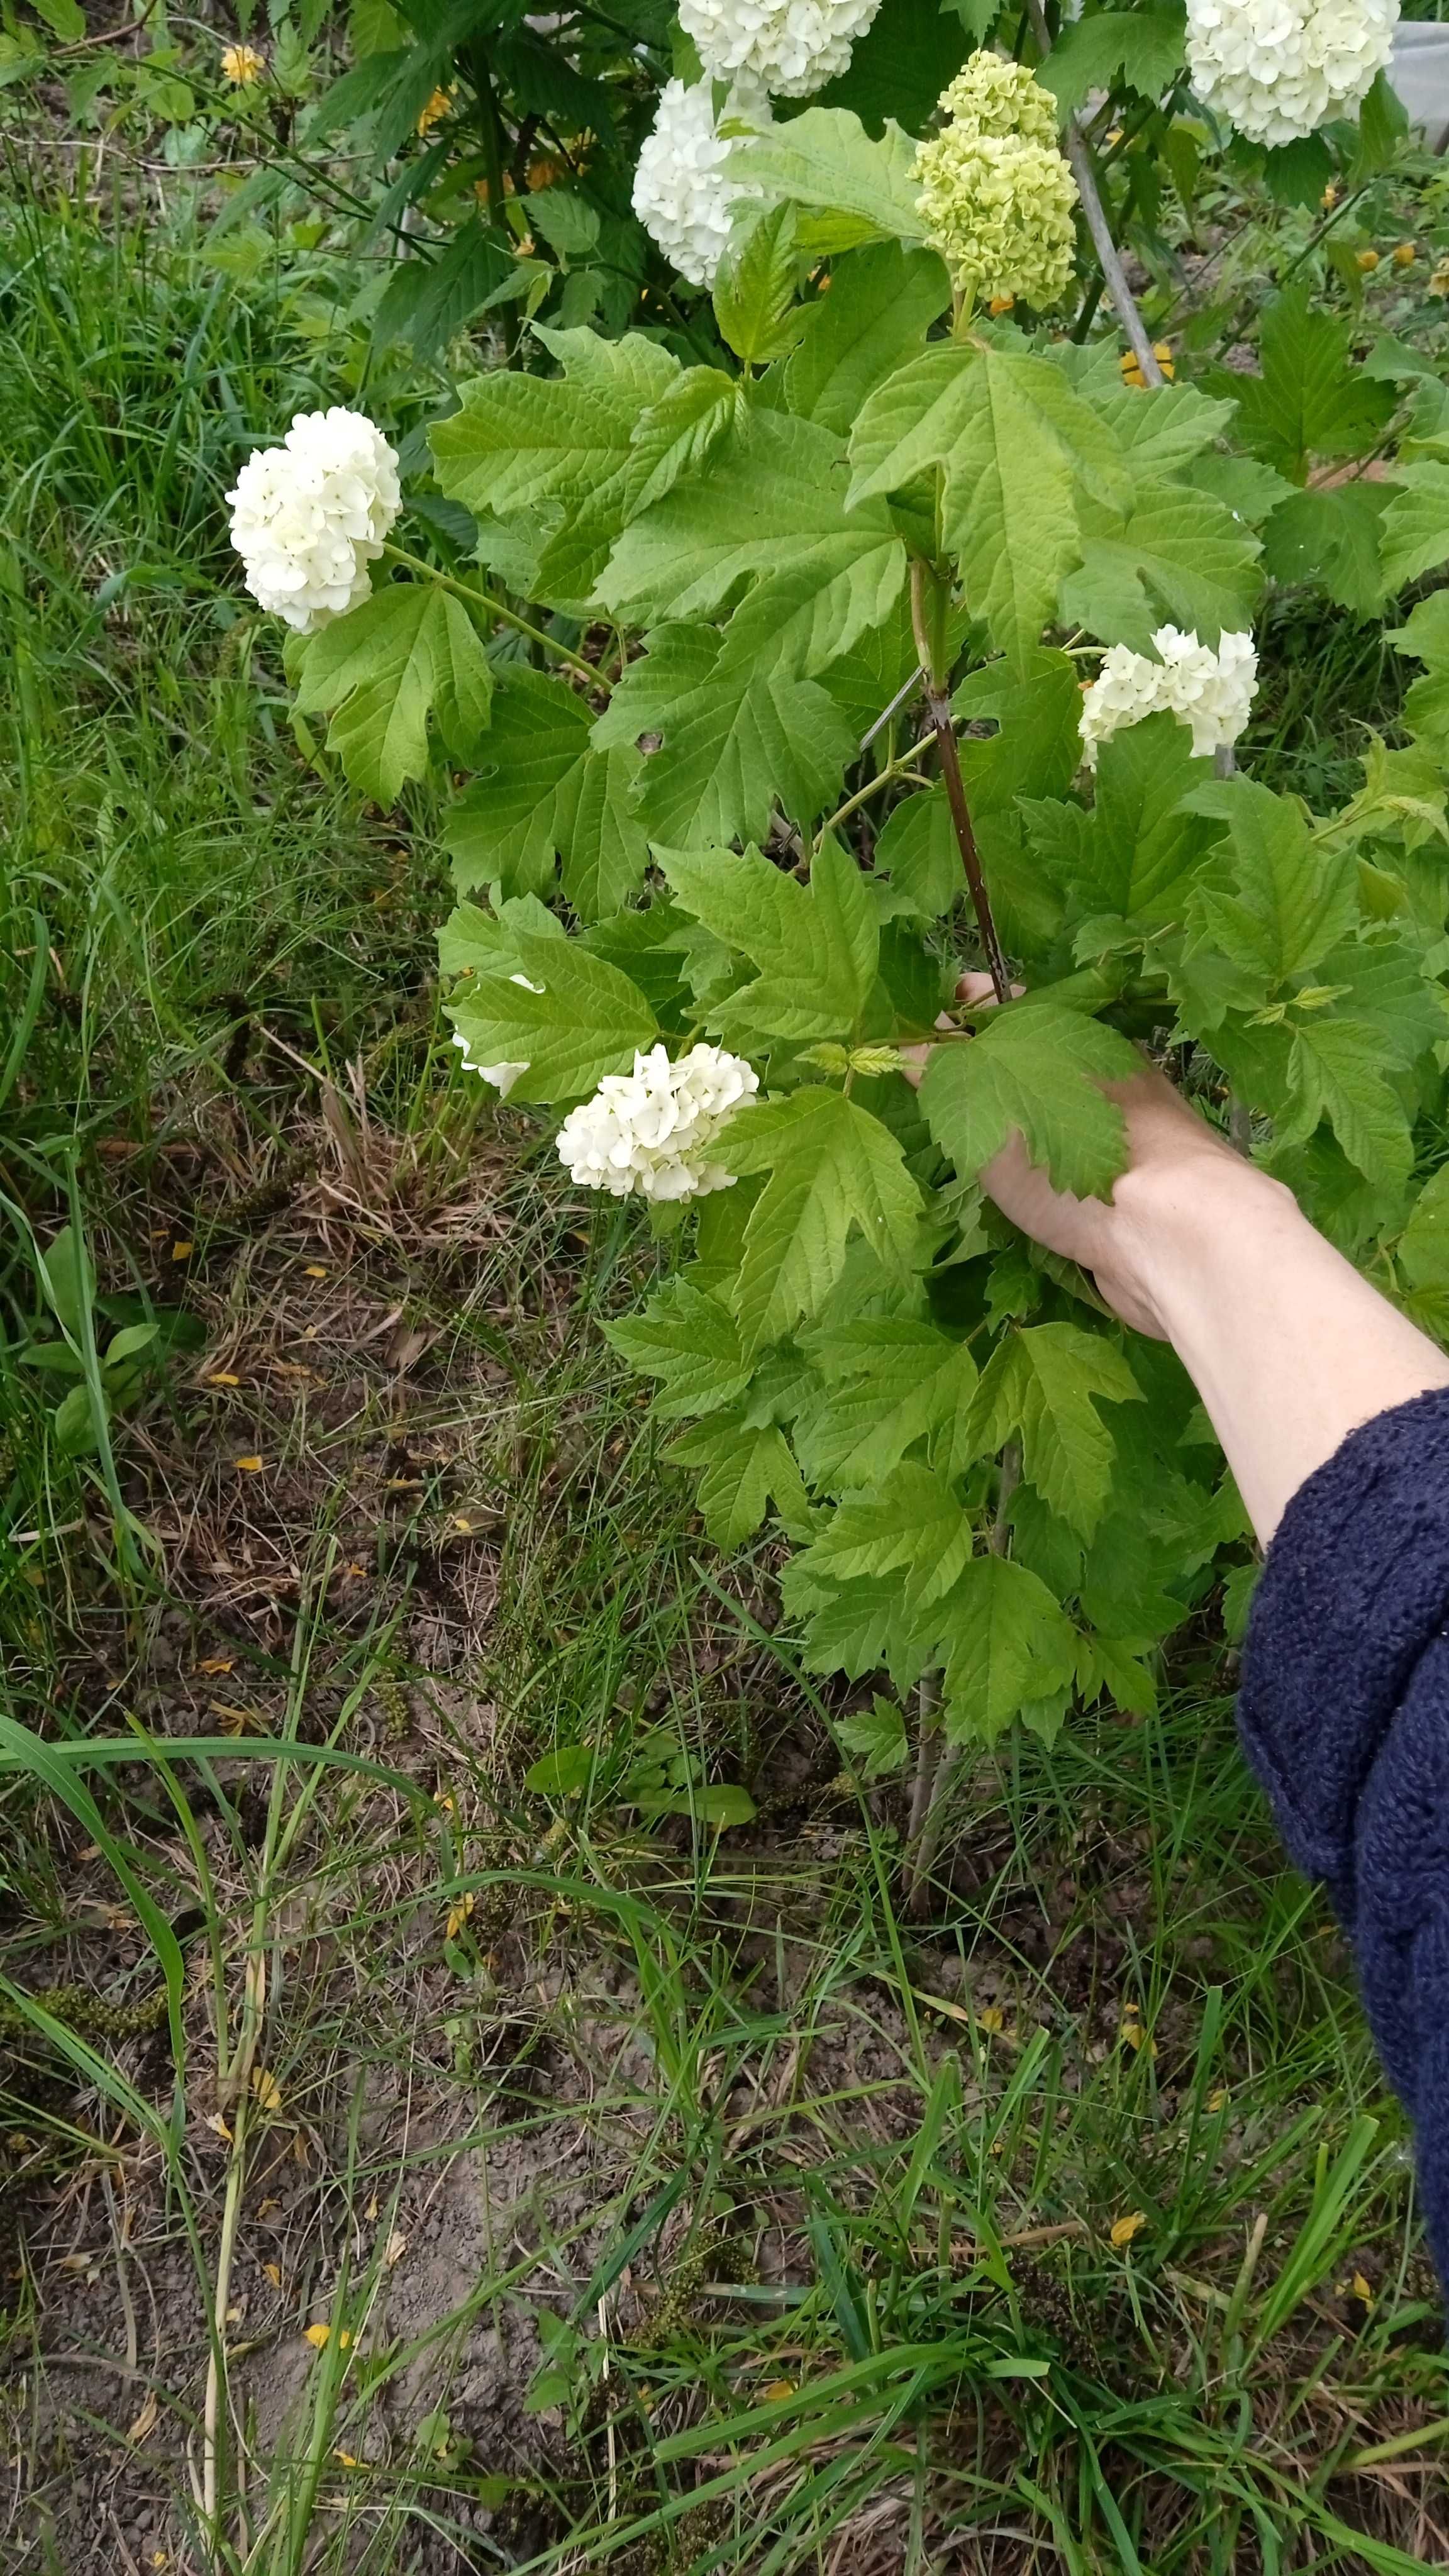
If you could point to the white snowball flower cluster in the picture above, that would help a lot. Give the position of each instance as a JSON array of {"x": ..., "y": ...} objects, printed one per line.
[
  {"x": 1276, "y": 69},
  {"x": 650, "y": 1131},
  {"x": 683, "y": 194},
  {"x": 790, "y": 47},
  {"x": 502, "y": 1076},
  {"x": 1211, "y": 691},
  {"x": 310, "y": 516}
]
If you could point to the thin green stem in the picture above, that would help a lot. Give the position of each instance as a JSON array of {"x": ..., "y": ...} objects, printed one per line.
[
  {"x": 902, "y": 768},
  {"x": 474, "y": 596}
]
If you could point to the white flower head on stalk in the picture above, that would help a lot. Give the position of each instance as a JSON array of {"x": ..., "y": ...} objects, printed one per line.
[
  {"x": 1210, "y": 691},
  {"x": 1277, "y": 69},
  {"x": 685, "y": 191},
  {"x": 649, "y": 1132},
  {"x": 502, "y": 1076},
  {"x": 308, "y": 517},
  {"x": 789, "y": 47}
]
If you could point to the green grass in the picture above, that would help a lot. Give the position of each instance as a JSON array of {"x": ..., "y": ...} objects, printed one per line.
[{"x": 806, "y": 2207}]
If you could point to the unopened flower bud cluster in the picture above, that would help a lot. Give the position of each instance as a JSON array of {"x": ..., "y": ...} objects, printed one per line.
[
  {"x": 648, "y": 1133},
  {"x": 310, "y": 516},
  {"x": 996, "y": 197},
  {"x": 685, "y": 191},
  {"x": 1277, "y": 69},
  {"x": 1210, "y": 691}
]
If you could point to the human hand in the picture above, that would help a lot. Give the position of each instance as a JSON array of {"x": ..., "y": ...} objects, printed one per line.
[{"x": 1176, "y": 1160}]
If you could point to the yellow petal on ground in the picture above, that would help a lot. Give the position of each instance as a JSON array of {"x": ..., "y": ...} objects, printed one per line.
[
  {"x": 776, "y": 2388},
  {"x": 1219, "y": 2100},
  {"x": 395, "y": 2248},
  {"x": 146, "y": 2421},
  {"x": 266, "y": 2088},
  {"x": 314, "y": 1270},
  {"x": 459, "y": 1912},
  {"x": 272, "y": 2272},
  {"x": 217, "y": 1664},
  {"x": 223, "y": 1377},
  {"x": 217, "y": 2124},
  {"x": 251, "y": 1465},
  {"x": 182, "y": 1251},
  {"x": 1360, "y": 2289},
  {"x": 1124, "y": 2229},
  {"x": 317, "y": 2336},
  {"x": 991, "y": 2017}
]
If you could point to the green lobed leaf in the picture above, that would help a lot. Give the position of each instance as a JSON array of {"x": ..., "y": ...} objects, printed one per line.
[
  {"x": 913, "y": 1528},
  {"x": 890, "y": 1383},
  {"x": 744, "y": 1469},
  {"x": 1332, "y": 539},
  {"x": 1008, "y": 1646},
  {"x": 882, "y": 301},
  {"x": 855, "y": 190},
  {"x": 754, "y": 291},
  {"x": 1415, "y": 535},
  {"x": 1036, "y": 1069},
  {"x": 1135, "y": 856},
  {"x": 832, "y": 1168},
  {"x": 586, "y": 1020},
  {"x": 735, "y": 741},
  {"x": 816, "y": 949},
  {"x": 1013, "y": 442},
  {"x": 1293, "y": 897},
  {"x": 688, "y": 1340},
  {"x": 1140, "y": 49},
  {"x": 1310, "y": 398},
  {"x": 409, "y": 653},
  {"x": 543, "y": 788},
  {"x": 1177, "y": 554},
  {"x": 1039, "y": 1385},
  {"x": 1337, "y": 1072}
]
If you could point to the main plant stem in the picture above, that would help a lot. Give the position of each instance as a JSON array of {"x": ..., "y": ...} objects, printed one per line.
[
  {"x": 938, "y": 707},
  {"x": 1074, "y": 144}
]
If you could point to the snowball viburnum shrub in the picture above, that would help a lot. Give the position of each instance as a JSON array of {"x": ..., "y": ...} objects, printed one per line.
[
  {"x": 1277, "y": 69},
  {"x": 1210, "y": 691},
  {"x": 684, "y": 191},
  {"x": 649, "y": 1132},
  {"x": 996, "y": 195},
  {"x": 789, "y": 47},
  {"x": 310, "y": 516}
]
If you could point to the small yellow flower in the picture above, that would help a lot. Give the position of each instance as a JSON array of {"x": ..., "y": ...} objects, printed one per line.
[
  {"x": 1124, "y": 2229},
  {"x": 1329, "y": 198},
  {"x": 436, "y": 109},
  {"x": 459, "y": 1912},
  {"x": 1405, "y": 255},
  {"x": 267, "y": 2090},
  {"x": 1367, "y": 260},
  {"x": 776, "y": 2389},
  {"x": 991, "y": 2017},
  {"x": 1001, "y": 303},
  {"x": 242, "y": 64},
  {"x": 1132, "y": 373},
  {"x": 1439, "y": 282},
  {"x": 1218, "y": 2100}
]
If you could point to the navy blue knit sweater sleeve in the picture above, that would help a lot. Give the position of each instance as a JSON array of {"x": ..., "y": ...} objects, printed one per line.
[{"x": 1344, "y": 1714}]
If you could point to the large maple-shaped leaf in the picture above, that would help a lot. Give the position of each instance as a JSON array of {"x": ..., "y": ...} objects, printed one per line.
[
  {"x": 521, "y": 442},
  {"x": 1037, "y": 1069},
  {"x": 543, "y": 788},
  {"x": 687, "y": 1340},
  {"x": 848, "y": 188},
  {"x": 889, "y": 1383},
  {"x": 744, "y": 1467},
  {"x": 1133, "y": 858},
  {"x": 1310, "y": 398},
  {"x": 1336, "y": 1071},
  {"x": 735, "y": 741},
  {"x": 913, "y": 1528},
  {"x": 816, "y": 948},
  {"x": 1009, "y": 1647},
  {"x": 1415, "y": 527},
  {"x": 1013, "y": 443},
  {"x": 832, "y": 1168},
  {"x": 1176, "y": 554},
  {"x": 769, "y": 508},
  {"x": 409, "y": 653},
  {"x": 882, "y": 302},
  {"x": 585, "y": 1019},
  {"x": 1039, "y": 1385},
  {"x": 1139, "y": 48},
  {"x": 1293, "y": 896}
]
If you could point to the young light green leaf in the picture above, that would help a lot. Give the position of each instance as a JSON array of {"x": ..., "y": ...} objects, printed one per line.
[
  {"x": 875, "y": 1738},
  {"x": 408, "y": 653},
  {"x": 586, "y": 1020},
  {"x": 542, "y": 787},
  {"x": 855, "y": 190},
  {"x": 1036, "y": 1068},
  {"x": 734, "y": 741},
  {"x": 1039, "y": 1385},
  {"x": 1008, "y": 1646},
  {"x": 1415, "y": 528},
  {"x": 891, "y": 1383},
  {"x": 816, "y": 950},
  {"x": 687, "y": 1340},
  {"x": 1336, "y": 1072},
  {"x": 882, "y": 302},
  {"x": 832, "y": 1167},
  {"x": 919, "y": 852},
  {"x": 1294, "y": 899},
  {"x": 1135, "y": 855}
]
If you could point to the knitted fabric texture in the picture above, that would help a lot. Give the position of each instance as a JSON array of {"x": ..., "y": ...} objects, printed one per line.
[{"x": 1344, "y": 1715}]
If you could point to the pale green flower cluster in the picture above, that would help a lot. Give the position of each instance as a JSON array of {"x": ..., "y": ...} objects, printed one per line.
[{"x": 996, "y": 195}]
